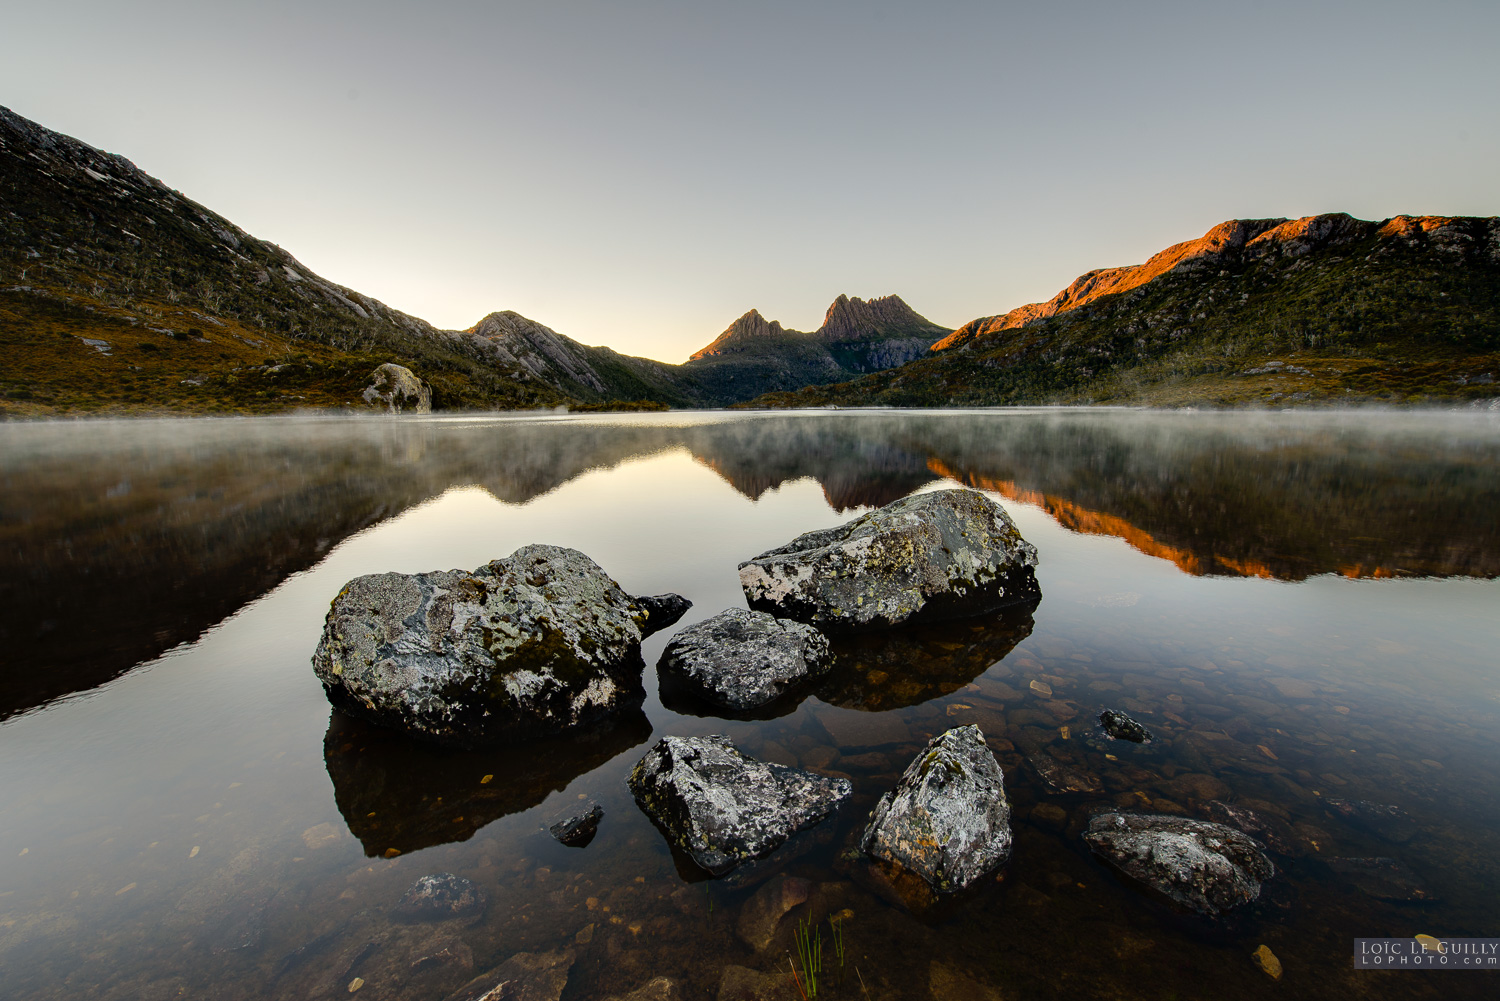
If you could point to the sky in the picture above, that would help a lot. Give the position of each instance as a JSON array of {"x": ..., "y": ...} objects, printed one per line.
[{"x": 640, "y": 174}]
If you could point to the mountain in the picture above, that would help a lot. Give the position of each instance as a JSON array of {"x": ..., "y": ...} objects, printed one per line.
[
  {"x": 754, "y": 355},
  {"x": 592, "y": 374},
  {"x": 118, "y": 293},
  {"x": 1321, "y": 309}
]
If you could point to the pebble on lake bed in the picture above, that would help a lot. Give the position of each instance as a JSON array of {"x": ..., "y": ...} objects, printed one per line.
[{"x": 1267, "y": 961}]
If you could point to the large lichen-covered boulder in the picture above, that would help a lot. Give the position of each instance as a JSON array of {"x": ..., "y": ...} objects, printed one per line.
[
  {"x": 394, "y": 388},
  {"x": 947, "y": 820},
  {"x": 741, "y": 659},
  {"x": 940, "y": 555},
  {"x": 1205, "y": 867},
  {"x": 723, "y": 808},
  {"x": 534, "y": 644}
]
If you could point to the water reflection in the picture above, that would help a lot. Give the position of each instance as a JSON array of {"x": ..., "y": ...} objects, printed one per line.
[
  {"x": 398, "y": 796},
  {"x": 875, "y": 672}
]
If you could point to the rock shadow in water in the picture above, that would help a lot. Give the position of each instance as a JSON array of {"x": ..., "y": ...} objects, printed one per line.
[
  {"x": 402, "y": 794},
  {"x": 897, "y": 668}
]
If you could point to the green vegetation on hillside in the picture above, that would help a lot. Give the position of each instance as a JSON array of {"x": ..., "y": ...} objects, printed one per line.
[{"x": 1374, "y": 318}]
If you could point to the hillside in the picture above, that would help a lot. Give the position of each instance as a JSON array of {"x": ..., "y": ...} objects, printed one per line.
[
  {"x": 119, "y": 294},
  {"x": 1323, "y": 309},
  {"x": 754, "y": 355}
]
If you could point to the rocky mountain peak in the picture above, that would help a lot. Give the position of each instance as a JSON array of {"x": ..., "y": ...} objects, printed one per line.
[
  {"x": 741, "y": 333},
  {"x": 859, "y": 320}
]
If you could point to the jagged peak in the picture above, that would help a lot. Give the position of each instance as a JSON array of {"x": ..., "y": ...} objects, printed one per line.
[
  {"x": 856, "y": 319},
  {"x": 751, "y": 326}
]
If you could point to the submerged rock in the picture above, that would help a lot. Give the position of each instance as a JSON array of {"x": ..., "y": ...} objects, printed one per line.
[
  {"x": 940, "y": 555},
  {"x": 1275, "y": 833},
  {"x": 723, "y": 808},
  {"x": 1206, "y": 867},
  {"x": 578, "y": 828},
  {"x": 740, "y": 659},
  {"x": 947, "y": 820},
  {"x": 395, "y": 387},
  {"x": 1384, "y": 879},
  {"x": 442, "y": 895},
  {"x": 1122, "y": 727},
  {"x": 526, "y": 976},
  {"x": 1385, "y": 821},
  {"x": 761, "y": 915},
  {"x": 538, "y": 643}
]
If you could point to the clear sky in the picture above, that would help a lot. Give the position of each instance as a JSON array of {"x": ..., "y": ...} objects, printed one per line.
[{"x": 640, "y": 174}]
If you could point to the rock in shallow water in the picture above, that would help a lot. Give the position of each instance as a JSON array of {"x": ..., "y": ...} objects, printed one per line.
[
  {"x": 940, "y": 555},
  {"x": 723, "y": 808},
  {"x": 578, "y": 828},
  {"x": 442, "y": 895},
  {"x": 1206, "y": 867},
  {"x": 947, "y": 820},
  {"x": 1122, "y": 727},
  {"x": 740, "y": 659},
  {"x": 538, "y": 643}
]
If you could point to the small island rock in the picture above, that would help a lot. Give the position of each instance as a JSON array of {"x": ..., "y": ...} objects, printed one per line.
[
  {"x": 940, "y": 555},
  {"x": 1206, "y": 867},
  {"x": 723, "y": 808},
  {"x": 740, "y": 659},
  {"x": 538, "y": 643},
  {"x": 578, "y": 828},
  {"x": 947, "y": 820}
]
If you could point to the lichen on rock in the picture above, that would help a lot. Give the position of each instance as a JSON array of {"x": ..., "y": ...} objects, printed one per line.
[
  {"x": 537, "y": 643},
  {"x": 947, "y": 820},
  {"x": 741, "y": 659},
  {"x": 1205, "y": 867},
  {"x": 395, "y": 387},
  {"x": 723, "y": 808},
  {"x": 940, "y": 555}
]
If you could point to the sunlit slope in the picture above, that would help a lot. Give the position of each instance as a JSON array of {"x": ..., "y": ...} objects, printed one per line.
[{"x": 1324, "y": 309}]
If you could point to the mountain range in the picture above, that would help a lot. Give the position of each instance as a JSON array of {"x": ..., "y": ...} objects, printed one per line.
[{"x": 120, "y": 294}]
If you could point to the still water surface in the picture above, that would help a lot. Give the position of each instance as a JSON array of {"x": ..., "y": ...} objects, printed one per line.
[{"x": 1302, "y": 607}]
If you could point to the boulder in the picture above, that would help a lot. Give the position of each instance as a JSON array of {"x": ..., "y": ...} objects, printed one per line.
[
  {"x": 394, "y": 387},
  {"x": 723, "y": 808},
  {"x": 941, "y": 555},
  {"x": 662, "y": 610},
  {"x": 947, "y": 820},
  {"x": 741, "y": 660},
  {"x": 578, "y": 828},
  {"x": 538, "y": 643},
  {"x": 442, "y": 895},
  {"x": 1122, "y": 727},
  {"x": 1205, "y": 867},
  {"x": 761, "y": 915}
]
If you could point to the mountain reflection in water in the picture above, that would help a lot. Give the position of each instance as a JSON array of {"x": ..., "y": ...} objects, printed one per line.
[{"x": 155, "y": 531}]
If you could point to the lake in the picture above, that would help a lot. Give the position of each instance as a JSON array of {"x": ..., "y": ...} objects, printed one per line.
[{"x": 1302, "y": 607}]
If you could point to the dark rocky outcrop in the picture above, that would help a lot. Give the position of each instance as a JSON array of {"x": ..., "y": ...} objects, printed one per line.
[
  {"x": 947, "y": 820},
  {"x": 723, "y": 808},
  {"x": 442, "y": 895},
  {"x": 741, "y": 659},
  {"x": 662, "y": 610},
  {"x": 538, "y": 643},
  {"x": 1122, "y": 727},
  {"x": 1205, "y": 867},
  {"x": 940, "y": 555}
]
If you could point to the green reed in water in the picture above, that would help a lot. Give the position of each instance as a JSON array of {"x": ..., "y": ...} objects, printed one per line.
[
  {"x": 837, "y": 924},
  {"x": 809, "y": 939}
]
